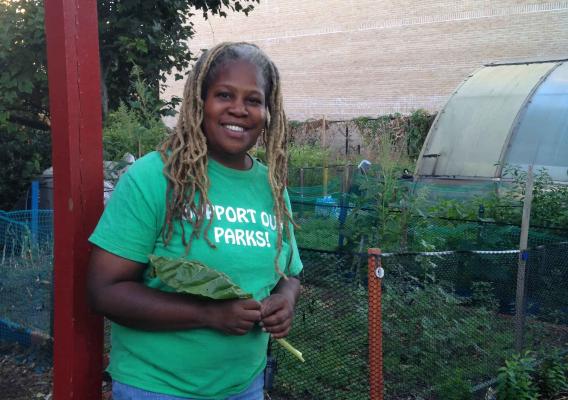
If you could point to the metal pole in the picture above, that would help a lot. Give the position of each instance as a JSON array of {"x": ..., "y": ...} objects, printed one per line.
[
  {"x": 523, "y": 256},
  {"x": 75, "y": 103},
  {"x": 35, "y": 213}
]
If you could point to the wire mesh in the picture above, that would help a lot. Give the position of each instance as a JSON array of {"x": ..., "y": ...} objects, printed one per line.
[
  {"x": 449, "y": 316},
  {"x": 26, "y": 263},
  {"x": 338, "y": 225},
  {"x": 446, "y": 315},
  {"x": 330, "y": 329}
]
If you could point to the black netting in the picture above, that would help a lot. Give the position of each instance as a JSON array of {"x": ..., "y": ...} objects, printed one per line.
[
  {"x": 447, "y": 316},
  {"x": 330, "y": 329},
  {"x": 451, "y": 316}
]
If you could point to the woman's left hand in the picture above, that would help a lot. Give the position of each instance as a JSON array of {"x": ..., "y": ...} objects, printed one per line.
[{"x": 277, "y": 310}]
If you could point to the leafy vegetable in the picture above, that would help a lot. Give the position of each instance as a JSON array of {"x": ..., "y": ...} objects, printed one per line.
[{"x": 196, "y": 278}]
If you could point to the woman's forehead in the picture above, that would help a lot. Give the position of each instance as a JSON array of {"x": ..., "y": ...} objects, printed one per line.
[{"x": 239, "y": 72}]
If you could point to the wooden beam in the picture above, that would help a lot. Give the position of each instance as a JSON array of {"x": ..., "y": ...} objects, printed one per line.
[{"x": 75, "y": 106}]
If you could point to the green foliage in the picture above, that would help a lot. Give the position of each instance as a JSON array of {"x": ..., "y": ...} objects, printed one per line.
[
  {"x": 153, "y": 35},
  {"x": 307, "y": 156},
  {"x": 553, "y": 376},
  {"x": 317, "y": 233},
  {"x": 124, "y": 132},
  {"x": 136, "y": 128},
  {"x": 383, "y": 203},
  {"x": 25, "y": 153},
  {"x": 406, "y": 132},
  {"x": 455, "y": 387},
  {"x": 514, "y": 381},
  {"x": 23, "y": 74},
  {"x": 484, "y": 296},
  {"x": 418, "y": 126},
  {"x": 334, "y": 344},
  {"x": 549, "y": 204}
]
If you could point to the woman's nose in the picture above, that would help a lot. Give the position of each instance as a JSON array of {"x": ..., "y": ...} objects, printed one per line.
[{"x": 238, "y": 108}]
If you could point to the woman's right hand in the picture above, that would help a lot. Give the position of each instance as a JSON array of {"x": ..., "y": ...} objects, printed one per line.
[{"x": 234, "y": 317}]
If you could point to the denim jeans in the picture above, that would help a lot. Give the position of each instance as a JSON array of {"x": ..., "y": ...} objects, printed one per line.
[{"x": 120, "y": 391}]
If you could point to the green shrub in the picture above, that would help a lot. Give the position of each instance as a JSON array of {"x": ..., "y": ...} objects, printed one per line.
[
  {"x": 455, "y": 387},
  {"x": 25, "y": 153},
  {"x": 307, "y": 156},
  {"x": 124, "y": 132},
  {"x": 553, "y": 376},
  {"x": 515, "y": 381}
]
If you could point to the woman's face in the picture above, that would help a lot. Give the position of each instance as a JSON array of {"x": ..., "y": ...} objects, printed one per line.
[{"x": 234, "y": 113}]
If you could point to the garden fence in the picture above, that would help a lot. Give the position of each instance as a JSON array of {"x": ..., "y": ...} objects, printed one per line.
[{"x": 446, "y": 315}]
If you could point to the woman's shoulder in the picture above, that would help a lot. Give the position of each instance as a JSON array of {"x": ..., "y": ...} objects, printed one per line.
[
  {"x": 262, "y": 167},
  {"x": 149, "y": 165}
]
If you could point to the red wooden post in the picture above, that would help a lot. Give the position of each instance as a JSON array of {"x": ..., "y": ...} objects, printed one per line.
[
  {"x": 375, "y": 275},
  {"x": 75, "y": 107}
]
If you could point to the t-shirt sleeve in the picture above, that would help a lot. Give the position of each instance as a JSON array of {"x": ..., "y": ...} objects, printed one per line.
[
  {"x": 132, "y": 219},
  {"x": 295, "y": 266}
]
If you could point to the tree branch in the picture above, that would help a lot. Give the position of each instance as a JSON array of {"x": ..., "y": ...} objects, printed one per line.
[{"x": 30, "y": 123}]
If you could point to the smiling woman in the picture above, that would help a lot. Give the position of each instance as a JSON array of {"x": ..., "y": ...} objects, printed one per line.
[
  {"x": 202, "y": 198},
  {"x": 234, "y": 113}
]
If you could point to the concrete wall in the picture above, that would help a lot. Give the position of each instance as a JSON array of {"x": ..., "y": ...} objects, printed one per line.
[{"x": 342, "y": 59}]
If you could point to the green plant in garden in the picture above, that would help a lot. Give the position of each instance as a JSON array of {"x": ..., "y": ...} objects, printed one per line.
[
  {"x": 135, "y": 128},
  {"x": 454, "y": 387},
  {"x": 384, "y": 203},
  {"x": 408, "y": 132},
  {"x": 418, "y": 126},
  {"x": 484, "y": 296},
  {"x": 25, "y": 153},
  {"x": 550, "y": 200},
  {"x": 515, "y": 381},
  {"x": 307, "y": 156},
  {"x": 553, "y": 376}
]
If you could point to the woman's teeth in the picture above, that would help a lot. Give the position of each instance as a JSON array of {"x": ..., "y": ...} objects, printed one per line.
[{"x": 234, "y": 128}]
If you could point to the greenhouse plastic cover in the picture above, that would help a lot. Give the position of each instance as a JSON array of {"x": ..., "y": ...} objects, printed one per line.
[
  {"x": 521, "y": 104},
  {"x": 541, "y": 138}
]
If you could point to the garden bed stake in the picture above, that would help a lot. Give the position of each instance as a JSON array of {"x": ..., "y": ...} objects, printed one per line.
[{"x": 375, "y": 275}]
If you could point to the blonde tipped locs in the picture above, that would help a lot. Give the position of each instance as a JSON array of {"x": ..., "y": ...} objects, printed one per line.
[{"x": 184, "y": 152}]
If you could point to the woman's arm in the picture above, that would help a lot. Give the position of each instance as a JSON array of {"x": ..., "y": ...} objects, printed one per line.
[
  {"x": 278, "y": 308},
  {"x": 116, "y": 290}
]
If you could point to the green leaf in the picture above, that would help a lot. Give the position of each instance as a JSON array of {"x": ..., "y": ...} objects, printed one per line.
[{"x": 195, "y": 278}]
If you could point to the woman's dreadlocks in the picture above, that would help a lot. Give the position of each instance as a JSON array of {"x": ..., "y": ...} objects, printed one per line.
[{"x": 185, "y": 151}]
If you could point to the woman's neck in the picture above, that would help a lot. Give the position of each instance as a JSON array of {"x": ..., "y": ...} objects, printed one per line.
[{"x": 238, "y": 162}]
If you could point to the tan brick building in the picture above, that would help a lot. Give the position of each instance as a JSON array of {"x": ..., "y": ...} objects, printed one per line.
[{"x": 343, "y": 59}]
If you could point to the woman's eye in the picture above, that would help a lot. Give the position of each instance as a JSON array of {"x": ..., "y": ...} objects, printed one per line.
[
  {"x": 224, "y": 95},
  {"x": 254, "y": 100}
]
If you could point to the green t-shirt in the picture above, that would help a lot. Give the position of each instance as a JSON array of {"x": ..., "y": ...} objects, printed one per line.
[{"x": 197, "y": 363}]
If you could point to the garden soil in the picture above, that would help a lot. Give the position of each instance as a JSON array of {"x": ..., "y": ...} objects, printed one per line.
[{"x": 26, "y": 373}]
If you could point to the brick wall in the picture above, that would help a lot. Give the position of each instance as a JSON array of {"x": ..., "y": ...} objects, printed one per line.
[{"x": 342, "y": 59}]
